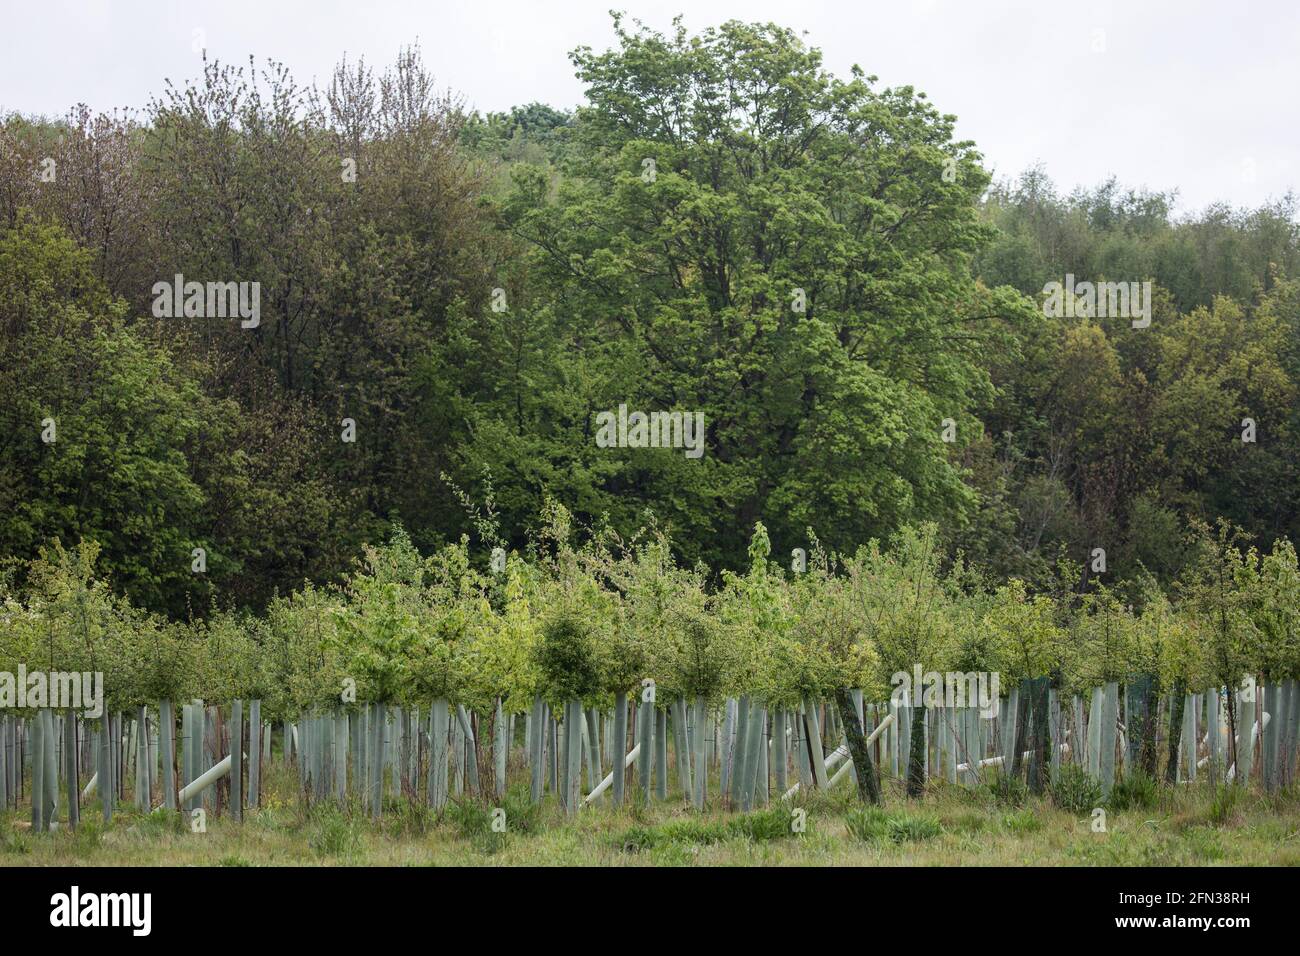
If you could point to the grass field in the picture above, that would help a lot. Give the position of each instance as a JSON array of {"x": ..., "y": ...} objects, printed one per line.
[{"x": 951, "y": 827}]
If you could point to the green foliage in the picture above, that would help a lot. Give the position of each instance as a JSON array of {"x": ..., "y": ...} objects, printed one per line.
[
  {"x": 1022, "y": 821},
  {"x": 1135, "y": 790},
  {"x": 1117, "y": 436},
  {"x": 1025, "y": 638},
  {"x": 817, "y": 266},
  {"x": 473, "y": 822},
  {"x": 876, "y": 825},
  {"x": 869, "y": 824},
  {"x": 1223, "y": 805},
  {"x": 689, "y": 289},
  {"x": 381, "y": 623},
  {"x": 908, "y": 604},
  {"x": 113, "y": 464},
  {"x": 1007, "y": 789},
  {"x": 1217, "y": 604},
  {"x": 566, "y": 658},
  {"x": 832, "y": 642},
  {"x": 302, "y": 652},
  {"x": 761, "y": 826},
  {"x": 1075, "y": 791},
  {"x": 336, "y": 834},
  {"x": 588, "y": 619},
  {"x": 522, "y": 815},
  {"x": 1271, "y": 586},
  {"x": 775, "y": 182},
  {"x": 161, "y": 822}
]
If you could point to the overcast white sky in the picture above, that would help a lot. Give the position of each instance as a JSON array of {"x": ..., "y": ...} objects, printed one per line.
[{"x": 1195, "y": 95}]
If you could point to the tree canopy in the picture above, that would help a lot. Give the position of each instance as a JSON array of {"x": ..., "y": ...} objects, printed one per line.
[{"x": 811, "y": 263}]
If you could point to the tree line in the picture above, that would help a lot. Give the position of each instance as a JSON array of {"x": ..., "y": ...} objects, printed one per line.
[{"x": 813, "y": 262}]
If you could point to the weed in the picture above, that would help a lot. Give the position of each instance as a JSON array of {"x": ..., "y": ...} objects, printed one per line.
[
  {"x": 913, "y": 829},
  {"x": 474, "y": 822},
  {"x": 870, "y": 824},
  {"x": 763, "y": 825},
  {"x": 335, "y": 834},
  {"x": 1224, "y": 804},
  {"x": 759, "y": 827},
  {"x": 156, "y": 824},
  {"x": 874, "y": 825},
  {"x": 1022, "y": 821},
  {"x": 87, "y": 838}
]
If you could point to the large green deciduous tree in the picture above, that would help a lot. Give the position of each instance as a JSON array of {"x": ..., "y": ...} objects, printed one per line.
[{"x": 740, "y": 233}]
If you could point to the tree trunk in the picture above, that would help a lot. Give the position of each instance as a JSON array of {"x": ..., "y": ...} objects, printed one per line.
[
  {"x": 916, "y": 756},
  {"x": 863, "y": 768}
]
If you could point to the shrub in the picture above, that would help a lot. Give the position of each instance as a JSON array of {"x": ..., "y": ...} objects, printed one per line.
[
  {"x": 566, "y": 658},
  {"x": 522, "y": 815},
  {"x": 1008, "y": 790},
  {"x": 411, "y": 817},
  {"x": 474, "y": 822},
  {"x": 1075, "y": 791},
  {"x": 1135, "y": 790}
]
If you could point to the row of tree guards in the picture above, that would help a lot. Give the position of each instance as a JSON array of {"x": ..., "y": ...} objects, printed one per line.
[{"x": 211, "y": 758}]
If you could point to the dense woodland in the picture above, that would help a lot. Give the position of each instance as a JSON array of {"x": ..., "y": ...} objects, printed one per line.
[{"x": 923, "y": 282}]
